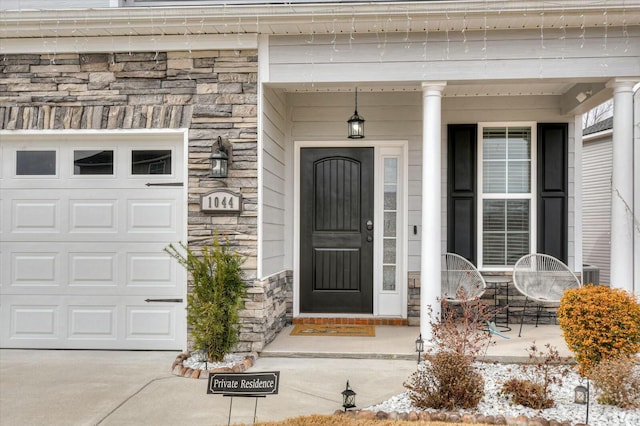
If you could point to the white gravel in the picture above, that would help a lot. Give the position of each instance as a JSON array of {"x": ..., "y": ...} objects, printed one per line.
[
  {"x": 198, "y": 361},
  {"x": 495, "y": 404}
]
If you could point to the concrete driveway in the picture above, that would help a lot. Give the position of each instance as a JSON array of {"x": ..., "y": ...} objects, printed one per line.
[{"x": 63, "y": 387}]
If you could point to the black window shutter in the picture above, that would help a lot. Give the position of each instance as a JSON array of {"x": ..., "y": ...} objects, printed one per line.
[
  {"x": 553, "y": 184},
  {"x": 461, "y": 190}
]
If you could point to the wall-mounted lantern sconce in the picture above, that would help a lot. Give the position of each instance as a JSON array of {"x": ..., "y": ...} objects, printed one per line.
[
  {"x": 356, "y": 123},
  {"x": 219, "y": 160}
]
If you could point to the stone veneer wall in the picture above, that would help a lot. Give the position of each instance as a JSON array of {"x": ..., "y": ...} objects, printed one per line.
[
  {"x": 212, "y": 93},
  {"x": 269, "y": 310}
]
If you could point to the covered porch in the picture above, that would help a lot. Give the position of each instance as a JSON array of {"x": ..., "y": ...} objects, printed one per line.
[
  {"x": 393, "y": 342},
  {"x": 435, "y": 97},
  {"x": 415, "y": 122}
]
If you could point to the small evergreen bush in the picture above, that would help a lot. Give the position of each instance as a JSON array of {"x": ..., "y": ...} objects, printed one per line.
[
  {"x": 618, "y": 382},
  {"x": 215, "y": 299},
  {"x": 599, "y": 323}
]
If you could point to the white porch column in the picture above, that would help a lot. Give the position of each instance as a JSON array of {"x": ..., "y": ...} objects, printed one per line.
[
  {"x": 577, "y": 236},
  {"x": 622, "y": 218},
  {"x": 430, "y": 254},
  {"x": 636, "y": 194}
]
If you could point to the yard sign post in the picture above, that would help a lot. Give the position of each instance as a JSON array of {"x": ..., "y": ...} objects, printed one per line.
[{"x": 246, "y": 385}]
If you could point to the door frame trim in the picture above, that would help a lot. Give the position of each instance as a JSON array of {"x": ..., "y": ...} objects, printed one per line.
[{"x": 402, "y": 262}]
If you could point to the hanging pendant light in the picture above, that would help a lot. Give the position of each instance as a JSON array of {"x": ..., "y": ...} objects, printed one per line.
[{"x": 356, "y": 123}]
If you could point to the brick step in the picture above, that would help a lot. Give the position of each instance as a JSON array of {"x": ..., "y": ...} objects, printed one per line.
[{"x": 352, "y": 321}]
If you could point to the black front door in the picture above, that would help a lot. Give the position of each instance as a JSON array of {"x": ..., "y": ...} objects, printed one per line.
[{"x": 336, "y": 230}]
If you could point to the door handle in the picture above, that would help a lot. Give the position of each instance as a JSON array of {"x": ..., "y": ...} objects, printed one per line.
[
  {"x": 369, "y": 225},
  {"x": 164, "y": 300}
]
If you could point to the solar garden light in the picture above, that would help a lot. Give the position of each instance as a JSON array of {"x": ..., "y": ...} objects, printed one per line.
[
  {"x": 419, "y": 346},
  {"x": 581, "y": 396},
  {"x": 348, "y": 398},
  {"x": 219, "y": 161}
]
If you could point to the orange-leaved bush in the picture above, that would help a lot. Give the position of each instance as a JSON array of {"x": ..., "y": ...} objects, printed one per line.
[{"x": 599, "y": 323}]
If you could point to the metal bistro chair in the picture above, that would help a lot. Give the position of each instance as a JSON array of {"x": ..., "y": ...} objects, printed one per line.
[
  {"x": 460, "y": 279},
  {"x": 542, "y": 278}
]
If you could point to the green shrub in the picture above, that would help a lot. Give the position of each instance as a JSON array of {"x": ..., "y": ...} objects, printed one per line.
[
  {"x": 599, "y": 323},
  {"x": 447, "y": 380},
  {"x": 215, "y": 299},
  {"x": 542, "y": 370},
  {"x": 617, "y": 382}
]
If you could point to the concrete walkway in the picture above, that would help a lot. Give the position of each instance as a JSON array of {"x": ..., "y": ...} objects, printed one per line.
[{"x": 61, "y": 387}]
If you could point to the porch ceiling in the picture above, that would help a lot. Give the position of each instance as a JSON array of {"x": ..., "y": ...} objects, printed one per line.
[
  {"x": 525, "y": 87},
  {"x": 595, "y": 90},
  {"x": 453, "y": 88}
]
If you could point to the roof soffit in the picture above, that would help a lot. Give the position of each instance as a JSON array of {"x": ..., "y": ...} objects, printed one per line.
[{"x": 320, "y": 18}]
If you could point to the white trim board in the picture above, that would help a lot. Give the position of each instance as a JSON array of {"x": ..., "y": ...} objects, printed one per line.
[{"x": 165, "y": 43}]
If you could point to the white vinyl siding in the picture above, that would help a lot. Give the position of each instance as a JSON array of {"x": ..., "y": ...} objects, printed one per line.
[
  {"x": 398, "y": 116},
  {"x": 446, "y": 56},
  {"x": 273, "y": 186},
  {"x": 389, "y": 116},
  {"x": 597, "y": 163}
]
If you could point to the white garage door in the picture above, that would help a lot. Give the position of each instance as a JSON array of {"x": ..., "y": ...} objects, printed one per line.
[{"x": 84, "y": 218}]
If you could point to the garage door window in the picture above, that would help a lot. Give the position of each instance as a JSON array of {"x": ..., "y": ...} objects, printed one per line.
[
  {"x": 151, "y": 162},
  {"x": 35, "y": 163},
  {"x": 92, "y": 162}
]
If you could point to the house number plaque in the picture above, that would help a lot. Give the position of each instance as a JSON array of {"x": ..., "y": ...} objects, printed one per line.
[{"x": 221, "y": 201}]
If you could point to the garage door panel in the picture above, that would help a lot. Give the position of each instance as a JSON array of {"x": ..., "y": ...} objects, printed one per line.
[
  {"x": 93, "y": 269},
  {"x": 88, "y": 322},
  {"x": 83, "y": 242},
  {"x": 151, "y": 270},
  {"x": 152, "y": 216},
  {"x": 40, "y": 322},
  {"x": 151, "y": 322},
  {"x": 148, "y": 214},
  {"x": 93, "y": 216},
  {"x": 97, "y": 323},
  {"x": 124, "y": 269},
  {"x": 36, "y": 216},
  {"x": 35, "y": 269},
  {"x": 3, "y": 227}
]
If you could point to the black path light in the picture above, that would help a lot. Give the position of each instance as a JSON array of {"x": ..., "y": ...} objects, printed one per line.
[
  {"x": 581, "y": 396},
  {"x": 419, "y": 346},
  {"x": 219, "y": 160},
  {"x": 348, "y": 398},
  {"x": 356, "y": 123}
]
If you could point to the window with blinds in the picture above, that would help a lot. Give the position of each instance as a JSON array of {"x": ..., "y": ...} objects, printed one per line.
[{"x": 506, "y": 194}]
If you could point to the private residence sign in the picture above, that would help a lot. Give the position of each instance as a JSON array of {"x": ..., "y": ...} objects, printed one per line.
[
  {"x": 244, "y": 384},
  {"x": 221, "y": 201}
]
